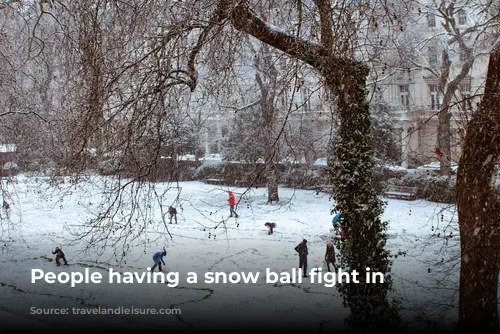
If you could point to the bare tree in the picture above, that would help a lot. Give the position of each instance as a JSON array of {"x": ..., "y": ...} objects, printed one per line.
[
  {"x": 345, "y": 77},
  {"x": 131, "y": 71},
  {"x": 128, "y": 66},
  {"x": 29, "y": 67},
  {"x": 257, "y": 129},
  {"x": 266, "y": 77},
  {"x": 453, "y": 40},
  {"x": 466, "y": 40}
]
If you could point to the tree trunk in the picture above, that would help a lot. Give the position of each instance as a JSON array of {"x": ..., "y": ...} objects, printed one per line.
[
  {"x": 352, "y": 171},
  {"x": 272, "y": 183},
  {"x": 267, "y": 83},
  {"x": 89, "y": 132},
  {"x": 443, "y": 150},
  {"x": 362, "y": 245},
  {"x": 478, "y": 210},
  {"x": 448, "y": 88},
  {"x": 443, "y": 140}
]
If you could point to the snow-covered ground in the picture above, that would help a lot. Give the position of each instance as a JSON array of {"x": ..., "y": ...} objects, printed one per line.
[{"x": 206, "y": 240}]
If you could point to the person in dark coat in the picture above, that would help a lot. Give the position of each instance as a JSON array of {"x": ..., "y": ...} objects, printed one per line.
[
  {"x": 302, "y": 250},
  {"x": 172, "y": 213},
  {"x": 232, "y": 202},
  {"x": 270, "y": 226},
  {"x": 6, "y": 207},
  {"x": 330, "y": 255},
  {"x": 60, "y": 255},
  {"x": 158, "y": 259}
]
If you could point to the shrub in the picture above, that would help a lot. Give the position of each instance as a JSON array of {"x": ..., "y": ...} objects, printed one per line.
[
  {"x": 432, "y": 187},
  {"x": 301, "y": 177}
]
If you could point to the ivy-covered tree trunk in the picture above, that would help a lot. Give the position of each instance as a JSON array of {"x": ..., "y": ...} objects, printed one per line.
[
  {"x": 479, "y": 210},
  {"x": 352, "y": 161},
  {"x": 362, "y": 244}
]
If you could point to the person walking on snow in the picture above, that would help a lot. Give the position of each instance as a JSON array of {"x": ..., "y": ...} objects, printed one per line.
[
  {"x": 330, "y": 255},
  {"x": 172, "y": 213},
  {"x": 60, "y": 255},
  {"x": 158, "y": 259},
  {"x": 232, "y": 201},
  {"x": 302, "y": 250}
]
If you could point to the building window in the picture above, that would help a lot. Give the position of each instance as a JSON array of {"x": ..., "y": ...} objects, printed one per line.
[
  {"x": 435, "y": 97},
  {"x": 433, "y": 56},
  {"x": 462, "y": 17},
  {"x": 431, "y": 20},
  {"x": 404, "y": 93}
]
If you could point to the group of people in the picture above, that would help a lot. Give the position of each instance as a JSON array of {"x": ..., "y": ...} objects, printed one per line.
[
  {"x": 301, "y": 248},
  {"x": 157, "y": 258},
  {"x": 232, "y": 212},
  {"x": 172, "y": 211}
]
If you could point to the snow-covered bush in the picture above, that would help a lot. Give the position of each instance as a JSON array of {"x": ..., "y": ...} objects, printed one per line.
[{"x": 432, "y": 187}]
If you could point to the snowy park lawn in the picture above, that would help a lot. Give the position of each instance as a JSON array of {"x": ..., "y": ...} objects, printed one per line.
[{"x": 206, "y": 240}]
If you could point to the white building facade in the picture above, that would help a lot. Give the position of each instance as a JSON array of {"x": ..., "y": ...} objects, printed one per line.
[
  {"x": 443, "y": 43},
  {"x": 413, "y": 86}
]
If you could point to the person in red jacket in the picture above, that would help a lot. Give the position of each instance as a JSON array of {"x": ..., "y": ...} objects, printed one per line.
[{"x": 232, "y": 201}]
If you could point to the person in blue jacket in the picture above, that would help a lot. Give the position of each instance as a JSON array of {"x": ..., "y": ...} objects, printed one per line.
[
  {"x": 158, "y": 259},
  {"x": 336, "y": 223}
]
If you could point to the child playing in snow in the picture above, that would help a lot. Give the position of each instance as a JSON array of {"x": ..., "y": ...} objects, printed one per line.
[
  {"x": 59, "y": 256},
  {"x": 158, "y": 259},
  {"x": 270, "y": 226}
]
